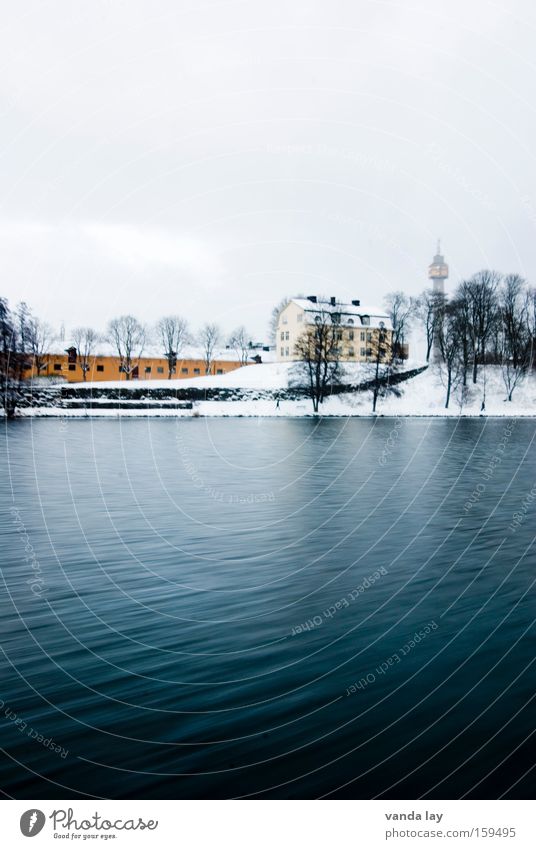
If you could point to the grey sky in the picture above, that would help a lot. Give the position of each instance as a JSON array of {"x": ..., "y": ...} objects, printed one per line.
[{"x": 209, "y": 158}]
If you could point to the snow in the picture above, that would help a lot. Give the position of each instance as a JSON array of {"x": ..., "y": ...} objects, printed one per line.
[
  {"x": 423, "y": 395},
  {"x": 375, "y": 313},
  {"x": 263, "y": 376},
  {"x": 189, "y": 352}
]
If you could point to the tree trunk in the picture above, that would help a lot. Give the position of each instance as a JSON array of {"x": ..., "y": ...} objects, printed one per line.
[{"x": 449, "y": 384}]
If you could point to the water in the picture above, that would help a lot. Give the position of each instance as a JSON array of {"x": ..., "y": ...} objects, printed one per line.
[{"x": 215, "y": 608}]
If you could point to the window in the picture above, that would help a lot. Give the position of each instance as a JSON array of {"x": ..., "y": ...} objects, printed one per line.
[
  {"x": 369, "y": 352},
  {"x": 351, "y": 335},
  {"x": 318, "y": 319},
  {"x": 184, "y": 371},
  {"x": 72, "y": 367},
  {"x": 100, "y": 368},
  {"x": 282, "y": 352},
  {"x": 197, "y": 371},
  {"x": 338, "y": 335},
  {"x": 286, "y": 336},
  {"x": 219, "y": 371},
  {"x": 362, "y": 335},
  {"x": 369, "y": 337},
  {"x": 350, "y": 352},
  {"x": 299, "y": 317},
  {"x": 350, "y": 321},
  {"x": 365, "y": 319},
  {"x": 363, "y": 352},
  {"x": 160, "y": 369},
  {"x": 282, "y": 335},
  {"x": 336, "y": 317},
  {"x": 57, "y": 366},
  {"x": 286, "y": 352},
  {"x": 148, "y": 369}
]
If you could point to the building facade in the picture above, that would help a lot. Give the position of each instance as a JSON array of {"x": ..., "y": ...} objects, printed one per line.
[
  {"x": 360, "y": 329},
  {"x": 66, "y": 366}
]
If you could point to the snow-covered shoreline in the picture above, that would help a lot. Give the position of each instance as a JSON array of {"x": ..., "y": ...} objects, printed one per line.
[
  {"x": 422, "y": 396},
  {"x": 58, "y": 412}
]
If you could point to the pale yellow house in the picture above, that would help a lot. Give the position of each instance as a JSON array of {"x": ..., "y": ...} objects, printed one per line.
[{"x": 358, "y": 328}]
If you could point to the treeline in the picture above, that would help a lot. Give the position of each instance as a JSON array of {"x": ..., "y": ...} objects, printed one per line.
[
  {"x": 490, "y": 319},
  {"x": 22, "y": 337},
  {"x": 27, "y": 341}
]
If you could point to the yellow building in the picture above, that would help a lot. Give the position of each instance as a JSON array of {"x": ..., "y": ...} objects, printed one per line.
[
  {"x": 108, "y": 367},
  {"x": 357, "y": 328}
]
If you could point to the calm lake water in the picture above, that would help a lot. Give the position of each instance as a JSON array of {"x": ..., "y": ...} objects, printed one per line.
[{"x": 228, "y": 608}]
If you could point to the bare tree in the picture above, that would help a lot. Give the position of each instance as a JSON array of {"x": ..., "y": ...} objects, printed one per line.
[
  {"x": 128, "y": 336},
  {"x": 479, "y": 299},
  {"x": 274, "y": 319},
  {"x": 173, "y": 333},
  {"x": 40, "y": 337},
  {"x": 13, "y": 360},
  {"x": 274, "y": 316},
  {"x": 209, "y": 339},
  {"x": 239, "y": 341},
  {"x": 381, "y": 361},
  {"x": 515, "y": 337},
  {"x": 401, "y": 311},
  {"x": 319, "y": 356},
  {"x": 428, "y": 306},
  {"x": 460, "y": 316},
  {"x": 21, "y": 321},
  {"x": 450, "y": 329},
  {"x": 85, "y": 341}
]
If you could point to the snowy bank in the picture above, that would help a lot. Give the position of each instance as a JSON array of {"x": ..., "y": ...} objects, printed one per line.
[{"x": 264, "y": 388}]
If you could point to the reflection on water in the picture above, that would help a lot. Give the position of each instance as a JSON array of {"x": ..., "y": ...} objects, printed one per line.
[{"x": 199, "y": 608}]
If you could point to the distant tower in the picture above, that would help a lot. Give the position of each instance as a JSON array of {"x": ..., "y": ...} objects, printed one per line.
[{"x": 438, "y": 271}]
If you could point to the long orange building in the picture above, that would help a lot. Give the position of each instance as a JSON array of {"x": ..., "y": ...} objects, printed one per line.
[{"x": 108, "y": 367}]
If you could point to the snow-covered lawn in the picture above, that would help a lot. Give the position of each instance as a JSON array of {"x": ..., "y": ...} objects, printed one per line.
[
  {"x": 264, "y": 376},
  {"x": 425, "y": 395}
]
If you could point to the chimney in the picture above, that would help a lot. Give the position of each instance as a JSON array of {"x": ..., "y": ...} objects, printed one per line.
[
  {"x": 333, "y": 300},
  {"x": 356, "y": 303},
  {"x": 312, "y": 298}
]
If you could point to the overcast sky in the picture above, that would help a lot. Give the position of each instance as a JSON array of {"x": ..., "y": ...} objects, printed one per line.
[{"x": 209, "y": 158}]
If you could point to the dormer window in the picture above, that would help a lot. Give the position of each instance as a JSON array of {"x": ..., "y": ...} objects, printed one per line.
[
  {"x": 365, "y": 319},
  {"x": 336, "y": 317},
  {"x": 318, "y": 319},
  {"x": 350, "y": 321}
]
